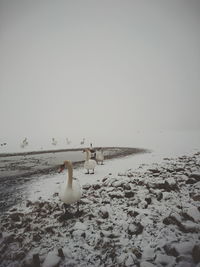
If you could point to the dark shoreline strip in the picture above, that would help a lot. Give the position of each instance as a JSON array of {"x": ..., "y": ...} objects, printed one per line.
[
  {"x": 136, "y": 150},
  {"x": 123, "y": 152}
]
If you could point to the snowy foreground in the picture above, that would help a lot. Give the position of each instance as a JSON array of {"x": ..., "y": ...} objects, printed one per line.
[{"x": 146, "y": 217}]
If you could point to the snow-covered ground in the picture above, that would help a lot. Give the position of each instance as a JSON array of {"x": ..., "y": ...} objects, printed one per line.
[
  {"x": 145, "y": 217},
  {"x": 140, "y": 210},
  {"x": 162, "y": 145}
]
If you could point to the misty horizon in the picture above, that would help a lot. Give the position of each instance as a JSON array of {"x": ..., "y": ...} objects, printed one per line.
[{"x": 98, "y": 69}]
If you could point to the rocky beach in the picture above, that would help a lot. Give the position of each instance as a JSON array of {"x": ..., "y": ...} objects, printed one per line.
[{"x": 145, "y": 217}]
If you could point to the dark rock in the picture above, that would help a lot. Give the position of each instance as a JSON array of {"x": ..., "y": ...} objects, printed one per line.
[
  {"x": 36, "y": 237},
  {"x": 196, "y": 253},
  {"x": 133, "y": 213},
  {"x": 126, "y": 187},
  {"x": 187, "y": 216},
  {"x": 116, "y": 195},
  {"x": 86, "y": 186},
  {"x": 9, "y": 238},
  {"x": 135, "y": 229},
  {"x": 104, "y": 213},
  {"x": 196, "y": 197},
  {"x": 129, "y": 193},
  {"x": 96, "y": 186},
  {"x": 140, "y": 183},
  {"x": 159, "y": 196},
  {"x": 166, "y": 186},
  {"x": 60, "y": 253},
  {"x": 148, "y": 200},
  {"x": 16, "y": 216},
  {"x": 191, "y": 181},
  {"x": 170, "y": 250},
  {"x": 28, "y": 203},
  {"x": 182, "y": 227},
  {"x": 195, "y": 175},
  {"x": 154, "y": 170},
  {"x": 50, "y": 229},
  {"x": 19, "y": 255},
  {"x": 171, "y": 220}
]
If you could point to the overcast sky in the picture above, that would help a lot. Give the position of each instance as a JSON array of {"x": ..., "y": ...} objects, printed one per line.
[{"x": 98, "y": 68}]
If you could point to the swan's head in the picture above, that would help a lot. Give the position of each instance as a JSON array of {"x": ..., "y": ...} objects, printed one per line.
[{"x": 66, "y": 163}]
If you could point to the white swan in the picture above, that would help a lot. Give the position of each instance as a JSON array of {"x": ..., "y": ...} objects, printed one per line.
[
  {"x": 54, "y": 142},
  {"x": 100, "y": 156},
  {"x": 24, "y": 143},
  {"x": 71, "y": 191},
  {"x": 68, "y": 141},
  {"x": 89, "y": 164},
  {"x": 82, "y": 142}
]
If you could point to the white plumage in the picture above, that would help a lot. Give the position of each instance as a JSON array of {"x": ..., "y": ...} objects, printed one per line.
[
  {"x": 89, "y": 164},
  {"x": 71, "y": 191},
  {"x": 99, "y": 156}
]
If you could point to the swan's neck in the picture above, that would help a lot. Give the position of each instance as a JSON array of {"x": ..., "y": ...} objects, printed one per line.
[
  {"x": 70, "y": 174},
  {"x": 87, "y": 155}
]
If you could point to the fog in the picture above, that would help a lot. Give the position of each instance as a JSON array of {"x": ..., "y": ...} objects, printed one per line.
[{"x": 104, "y": 70}]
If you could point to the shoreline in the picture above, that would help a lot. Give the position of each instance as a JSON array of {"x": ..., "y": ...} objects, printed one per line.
[
  {"x": 13, "y": 154},
  {"x": 145, "y": 217},
  {"x": 18, "y": 172},
  {"x": 41, "y": 166}
]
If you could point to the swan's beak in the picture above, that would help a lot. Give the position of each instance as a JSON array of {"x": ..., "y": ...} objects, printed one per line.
[{"x": 61, "y": 168}]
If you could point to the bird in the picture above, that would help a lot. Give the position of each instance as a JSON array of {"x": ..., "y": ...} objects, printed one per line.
[
  {"x": 68, "y": 141},
  {"x": 54, "y": 142},
  {"x": 82, "y": 142},
  {"x": 71, "y": 191},
  {"x": 100, "y": 156},
  {"x": 89, "y": 164},
  {"x": 92, "y": 151},
  {"x": 24, "y": 143}
]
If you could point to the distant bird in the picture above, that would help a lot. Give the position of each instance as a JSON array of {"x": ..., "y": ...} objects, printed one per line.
[
  {"x": 3, "y": 144},
  {"x": 68, "y": 141},
  {"x": 100, "y": 156},
  {"x": 71, "y": 191},
  {"x": 82, "y": 142},
  {"x": 89, "y": 164},
  {"x": 24, "y": 143},
  {"x": 54, "y": 142}
]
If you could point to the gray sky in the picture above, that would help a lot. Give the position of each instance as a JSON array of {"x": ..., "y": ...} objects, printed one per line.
[{"x": 98, "y": 68}]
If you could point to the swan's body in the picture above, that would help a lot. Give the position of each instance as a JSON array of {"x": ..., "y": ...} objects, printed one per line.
[
  {"x": 71, "y": 190},
  {"x": 54, "y": 142},
  {"x": 68, "y": 141},
  {"x": 89, "y": 164},
  {"x": 82, "y": 142},
  {"x": 24, "y": 143},
  {"x": 99, "y": 156}
]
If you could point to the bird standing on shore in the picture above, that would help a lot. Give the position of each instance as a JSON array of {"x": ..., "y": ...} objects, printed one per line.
[
  {"x": 54, "y": 142},
  {"x": 89, "y": 164},
  {"x": 24, "y": 143},
  {"x": 100, "y": 156},
  {"x": 71, "y": 191},
  {"x": 82, "y": 142}
]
